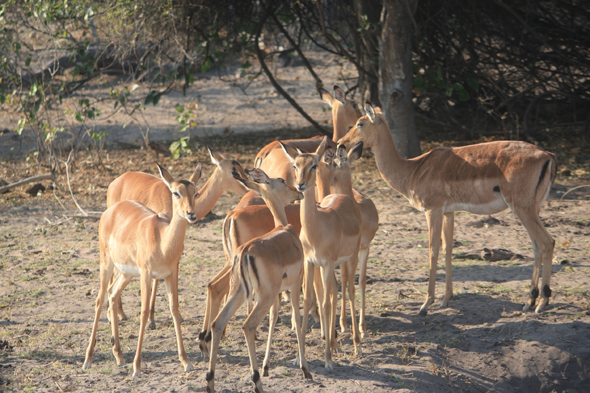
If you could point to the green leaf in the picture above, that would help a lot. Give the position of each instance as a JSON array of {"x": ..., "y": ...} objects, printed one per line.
[
  {"x": 473, "y": 83},
  {"x": 458, "y": 87},
  {"x": 28, "y": 61},
  {"x": 180, "y": 109},
  {"x": 464, "y": 95},
  {"x": 78, "y": 117}
]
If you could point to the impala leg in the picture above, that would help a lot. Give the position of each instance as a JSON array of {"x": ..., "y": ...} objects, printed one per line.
[
  {"x": 447, "y": 243},
  {"x": 249, "y": 327},
  {"x": 172, "y": 290},
  {"x": 543, "y": 245},
  {"x": 217, "y": 328},
  {"x": 434, "y": 220},
  {"x": 115, "y": 298},
  {"x": 119, "y": 305},
  {"x": 363, "y": 258},
  {"x": 216, "y": 290},
  {"x": 326, "y": 311},
  {"x": 352, "y": 299},
  {"x": 317, "y": 296},
  {"x": 344, "y": 273},
  {"x": 300, "y": 359},
  {"x": 152, "y": 319},
  {"x": 308, "y": 277},
  {"x": 274, "y": 312},
  {"x": 106, "y": 272},
  {"x": 146, "y": 289}
]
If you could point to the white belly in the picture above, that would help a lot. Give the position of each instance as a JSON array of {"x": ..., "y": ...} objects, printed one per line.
[
  {"x": 134, "y": 271},
  {"x": 489, "y": 208}
]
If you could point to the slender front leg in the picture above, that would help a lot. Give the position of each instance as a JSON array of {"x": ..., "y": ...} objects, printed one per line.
[
  {"x": 447, "y": 242},
  {"x": 172, "y": 289},
  {"x": 308, "y": 277},
  {"x": 363, "y": 259},
  {"x": 146, "y": 289},
  {"x": 352, "y": 299},
  {"x": 434, "y": 220},
  {"x": 300, "y": 360},
  {"x": 152, "y": 319},
  {"x": 327, "y": 304},
  {"x": 343, "y": 284}
]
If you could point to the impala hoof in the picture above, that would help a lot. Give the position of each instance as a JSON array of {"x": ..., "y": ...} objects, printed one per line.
[
  {"x": 151, "y": 325},
  {"x": 306, "y": 374},
  {"x": 86, "y": 365},
  {"x": 136, "y": 374},
  {"x": 188, "y": 367},
  {"x": 329, "y": 366},
  {"x": 541, "y": 306},
  {"x": 423, "y": 311}
]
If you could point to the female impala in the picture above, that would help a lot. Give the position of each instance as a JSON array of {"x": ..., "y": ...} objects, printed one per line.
[
  {"x": 137, "y": 242},
  {"x": 330, "y": 235},
  {"x": 262, "y": 268},
  {"x": 152, "y": 192},
  {"x": 485, "y": 178},
  {"x": 369, "y": 227}
]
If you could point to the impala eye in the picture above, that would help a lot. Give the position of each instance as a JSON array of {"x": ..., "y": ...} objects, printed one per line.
[
  {"x": 314, "y": 166},
  {"x": 176, "y": 194},
  {"x": 196, "y": 194}
]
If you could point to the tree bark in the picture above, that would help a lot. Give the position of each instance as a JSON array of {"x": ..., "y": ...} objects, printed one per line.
[{"x": 396, "y": 74}]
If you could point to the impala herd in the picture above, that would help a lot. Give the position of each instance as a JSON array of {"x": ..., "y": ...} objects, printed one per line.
[{"x": 273, "y": 244}]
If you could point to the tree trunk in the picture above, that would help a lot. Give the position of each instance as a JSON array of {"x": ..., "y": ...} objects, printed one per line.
[{"x": 395, "y": 74}]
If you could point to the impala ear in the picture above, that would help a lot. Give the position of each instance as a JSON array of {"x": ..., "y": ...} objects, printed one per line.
[
  {"x": 356, "y": 152},
  {"x": 216, "y": 157},
  {"x": 329, "y": 156},
  {"x": 196, "y": 176},
  {"x": 370, "y": 111},
  {"x": 259, "y": 176},
  {"x": 165, "y": 175},
  {"x": 322, "y": 147},
  {"x": 290, "y": 152},
  {"x": 339, "y": 94},
  {"x": 326, "y": 96}
]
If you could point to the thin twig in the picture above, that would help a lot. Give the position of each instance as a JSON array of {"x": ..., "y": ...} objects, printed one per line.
[
  {"x": 572, "y": 189},
  {"x": 70, "y": 186}
]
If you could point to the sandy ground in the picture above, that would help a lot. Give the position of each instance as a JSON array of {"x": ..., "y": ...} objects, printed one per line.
[{"x": 482, "y": 342}]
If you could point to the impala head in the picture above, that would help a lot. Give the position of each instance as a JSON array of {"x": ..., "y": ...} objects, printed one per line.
[
  {"x": 345, "y": 111},
  {"x": 366, "y": 128},
  {"x": 183, "y": 192},
  {"x": 267, "y": 187},
  {"x": 305, "y": 165},
  {"x": 226, "y": 168}
]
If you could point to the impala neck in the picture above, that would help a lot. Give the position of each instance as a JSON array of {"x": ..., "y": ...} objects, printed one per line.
[
  {"x": 173, "y": 235},
  {"x": 277, "y": 210},
  {"x": 340, "y": 126},
  {"x": 309, "y": 210},
  {"x": 209, "y": 194},
  {"x": 323, "y": 181},
  {"x": 394, "y": 169},
  {"x": 343, "y": 183}
]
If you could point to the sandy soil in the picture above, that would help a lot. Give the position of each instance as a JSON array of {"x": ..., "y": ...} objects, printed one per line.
[{"x": 482, "y": 343}]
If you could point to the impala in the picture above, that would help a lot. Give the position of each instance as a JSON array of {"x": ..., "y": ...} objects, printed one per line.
[
  {"x": 369, "y": 227},
  {"x": 485, "y": 178},
  {"x": 152, "y": 192},
  {"x": 137, "y": 242},
  {"x": 330, "y": 234},
  {"x": 262, "y": 268}
]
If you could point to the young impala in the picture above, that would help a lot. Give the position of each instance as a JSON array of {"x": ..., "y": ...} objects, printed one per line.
[
  {"x": 262, "y": 268},
  {"x": 152, "y": 192},
  {"x": 369, "y": 227},
  {"x": 485, "y": 178},
  {"x": 330, "y": 234},
  {"x": 137, "y": 242}
]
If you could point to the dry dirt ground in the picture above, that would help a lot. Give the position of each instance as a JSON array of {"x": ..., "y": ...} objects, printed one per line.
[{"x": 482, "y": 343}]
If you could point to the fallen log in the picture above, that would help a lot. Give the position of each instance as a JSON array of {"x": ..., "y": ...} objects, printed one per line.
[{"x": 25, "y": 181}]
